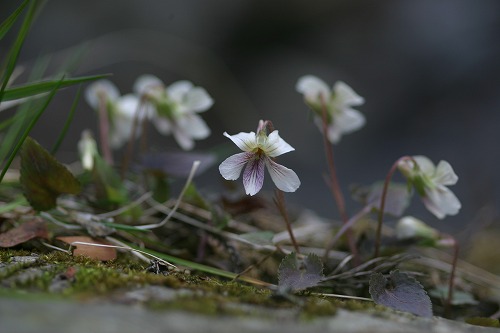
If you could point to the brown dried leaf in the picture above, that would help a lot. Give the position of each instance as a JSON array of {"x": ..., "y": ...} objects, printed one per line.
[
  {"x": 94, "y": 252},
  {"x": 23, "y": 233}
]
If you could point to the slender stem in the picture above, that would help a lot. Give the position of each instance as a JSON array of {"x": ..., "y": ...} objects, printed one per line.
[
  {"x": 451, "y": 282},
  {"x": 382, "y": 203},
  {"x": 280, "y": 203},
  {"x": 130, "y": 145},
  {"x": 104, "y": 130},
  {"x": 334, "y": 182}
]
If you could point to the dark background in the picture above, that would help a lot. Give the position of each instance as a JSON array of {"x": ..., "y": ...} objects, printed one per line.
[{"x": 428, "y": 69}]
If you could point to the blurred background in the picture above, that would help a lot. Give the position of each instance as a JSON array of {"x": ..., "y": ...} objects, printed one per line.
[{"x": 429, "y": 71}]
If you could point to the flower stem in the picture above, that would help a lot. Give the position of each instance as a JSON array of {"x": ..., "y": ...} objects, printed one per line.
[
  {"x": 334, "y": 183},
  {"x": 280, "y": 203},
  {"x": 382, "y": 203},
  {"x": 451, "y": 282},
  {"x": 130, "y": 145},
  {"x": 104, "y": 131}
]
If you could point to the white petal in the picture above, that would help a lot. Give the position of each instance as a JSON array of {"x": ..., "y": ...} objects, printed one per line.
[
  {"x": 344, "y": 95},
  {"x": 178, "y": 90},
  {"x": 231, "y": 167},
  {"x": 445, "y": 174},
  {"x": 285, "y": 179},
  {"x": 425, "y": 165},
  {"x": 349, "y": 120},
  {"x": 253, "y": 176},
  {"x": 99, "y": 88},
  {"x": 128, "y": 105},
  {"x": 441, "y": 201},
  {"x": 244, "y": 141},
  {"x": 147, "y": 82},
  {"x": 193, "y": 126},
  {"x": 163, "y": 125},
  {"x": 333, "y": 132},
  {"x": 312, "y": 87},
  {"x": 197, "y": 100},
  {"x": 276, "y": 146},
  {"x": 183, "y": 138}
]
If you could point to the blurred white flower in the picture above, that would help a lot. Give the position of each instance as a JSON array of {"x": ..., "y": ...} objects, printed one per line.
[
  {"x": 121, "y": 110},
  {"x": 430, "y": 183},
  {"x": 87, "y": 149},
  {"x": 259, "y": 151},
  {"x": 341, "y": 118},
  {"x": 409, "y": 227},
  {"x": 174, "y": 108}
]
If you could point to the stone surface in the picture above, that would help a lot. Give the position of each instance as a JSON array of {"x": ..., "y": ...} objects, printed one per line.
[{"x": 31, "y": 316}]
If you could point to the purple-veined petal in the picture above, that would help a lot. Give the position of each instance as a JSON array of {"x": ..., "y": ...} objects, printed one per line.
[
  {"x": 99, "y": 88},
  {"x": 177, "y": 91},
  {"x": 312, "y": 87},
  {"x": 276, "y": 146},
  {"x": 231, "y": 167},
  {"x": 345, "y": 96},
  {"x": 146, "y": 83},
  {"x": 440, "y": 201},
  {"x": 194, "y": 126},
  {"x": 349, "y": 120},
  {"x": 285, "y": 179},
  {"x": 197, "y": 100},
  {"x": 253, "y": 176},
  {"x": 244, "y": 141},
  {"x": 445, "y": 174}
]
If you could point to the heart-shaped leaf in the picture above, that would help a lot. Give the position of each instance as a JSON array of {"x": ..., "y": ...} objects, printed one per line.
[
  {"x": 299, "y": 275},
  {"x": 401, "y": 292},
  {"x": 43, "y": 178}
]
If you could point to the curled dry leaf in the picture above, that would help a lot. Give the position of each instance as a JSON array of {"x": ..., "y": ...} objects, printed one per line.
[
  {"x": 23, "y": 233},
  {"x": 91, "y": 251}
]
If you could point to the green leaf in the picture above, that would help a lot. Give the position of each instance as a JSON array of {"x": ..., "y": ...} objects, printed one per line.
[
  {"x": 43, "y": 178},
  {"x": 298, "y": 275},
  {"x": 259, "y": 237},
  {"x": 7, "y": 24},
  {"x": 35, "y": 88},
  {"x": 401, "y": 292},
  {"x": 110, "y": 190}
]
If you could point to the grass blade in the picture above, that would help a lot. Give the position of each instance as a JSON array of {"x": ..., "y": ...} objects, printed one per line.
[
  {"x": 67, "y": 123},
  {"x": 7, "y": 24},
  {"x": 32, "y": 123},
  {"x": 16, "y": 48},
  {"x": 41, "y": 87}
]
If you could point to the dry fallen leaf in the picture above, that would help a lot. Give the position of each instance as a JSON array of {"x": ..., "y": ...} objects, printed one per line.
[
  {"x": 91, "y": 251},
  {"x": 23, "y": 233}
]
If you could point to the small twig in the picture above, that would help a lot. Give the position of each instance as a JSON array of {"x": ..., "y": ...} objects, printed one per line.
[
  {"x": 382, "y": 203},
  {"x": 194, "y": 168},
  {"x": 344, "y": 296}
]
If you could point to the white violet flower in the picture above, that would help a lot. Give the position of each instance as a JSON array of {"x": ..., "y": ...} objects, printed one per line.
[
  {"x": 121, "y": 110},
  {"x": 259, "y": 149},
  {"x": 341, "y": 118},
  {"x": 87, "y": 149},
  {"x": 174, "y": 108},
  {"x": 430, "y": 183}
]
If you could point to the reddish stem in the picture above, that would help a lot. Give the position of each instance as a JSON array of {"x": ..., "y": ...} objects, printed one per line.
[
  {"x": 280, "y": 203},
  {"x": 104, "y": 131},
  {"x": 335, "y": 187},
  {"x": 382, "y": 203},
  {"x": 130, "y": 145}
]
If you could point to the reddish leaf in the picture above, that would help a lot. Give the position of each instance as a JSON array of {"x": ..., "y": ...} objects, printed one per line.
[
  {"x": 91, "y": 251},
  {"x": 23, "y": 233}
]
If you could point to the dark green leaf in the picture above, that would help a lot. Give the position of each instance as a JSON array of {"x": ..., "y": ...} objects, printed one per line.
[
  {"x": 43, "y": 178},
  {"x": 401, "y": 292},
  {"x": 35, "y": 88},
  {"x": 298, "y": 275}
]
